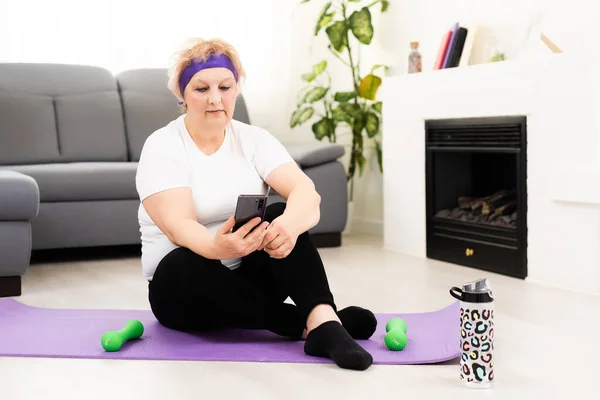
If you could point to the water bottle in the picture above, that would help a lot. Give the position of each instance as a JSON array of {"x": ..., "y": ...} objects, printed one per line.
[{"x": 476, "y": 333}]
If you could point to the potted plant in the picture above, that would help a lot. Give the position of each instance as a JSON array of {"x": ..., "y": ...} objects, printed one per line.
[{"x": 348, "y": 26}]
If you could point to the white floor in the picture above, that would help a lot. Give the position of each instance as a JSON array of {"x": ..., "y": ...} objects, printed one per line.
[{"x": 546, "y": 339}]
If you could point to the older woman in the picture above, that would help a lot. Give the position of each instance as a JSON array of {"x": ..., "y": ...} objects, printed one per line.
[{"x": 202, "y": 273}]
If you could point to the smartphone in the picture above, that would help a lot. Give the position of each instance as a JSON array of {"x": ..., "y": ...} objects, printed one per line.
[{"x": 248, "y": 207}]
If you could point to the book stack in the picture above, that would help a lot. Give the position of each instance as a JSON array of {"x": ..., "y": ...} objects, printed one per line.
[{"x": 455, "y": 47}]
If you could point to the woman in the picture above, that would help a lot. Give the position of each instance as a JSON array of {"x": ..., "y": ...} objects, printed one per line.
[{"x": 202, "y": 274}]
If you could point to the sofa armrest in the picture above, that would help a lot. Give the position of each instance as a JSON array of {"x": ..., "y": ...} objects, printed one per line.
[
  {"x": 19, "y": 196},
  {"x": 313, "y": 154}
]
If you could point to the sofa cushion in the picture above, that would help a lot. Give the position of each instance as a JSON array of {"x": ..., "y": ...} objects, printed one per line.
[
  {"x": 149, "y": 105},
  {"x": 19, "y": 131},
  {"x": 313, "y": 154},
  {"x": 83, "y": 181},
  {"x": 59, "y": 113},
  {"x": 19, "y": 197}
]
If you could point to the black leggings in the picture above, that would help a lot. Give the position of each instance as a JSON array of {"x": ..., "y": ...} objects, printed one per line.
[{"x": 189, "y": 292}]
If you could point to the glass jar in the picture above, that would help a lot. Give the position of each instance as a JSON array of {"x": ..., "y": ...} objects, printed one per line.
[{"x": 414, "y": 58}]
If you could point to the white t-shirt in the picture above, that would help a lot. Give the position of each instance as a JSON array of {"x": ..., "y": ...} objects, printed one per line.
[{"x": 171, "y": 159}]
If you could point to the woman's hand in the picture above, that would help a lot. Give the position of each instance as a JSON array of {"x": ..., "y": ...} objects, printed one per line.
[
  {"x": 228, "y": 244},
  {"x": 280, "y": 238}
]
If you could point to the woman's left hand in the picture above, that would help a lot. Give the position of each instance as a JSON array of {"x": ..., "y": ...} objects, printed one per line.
[{"x": 280, "y": 239}]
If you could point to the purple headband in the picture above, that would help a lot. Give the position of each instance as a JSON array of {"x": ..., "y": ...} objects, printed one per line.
[{"x": 214, "y": 61}]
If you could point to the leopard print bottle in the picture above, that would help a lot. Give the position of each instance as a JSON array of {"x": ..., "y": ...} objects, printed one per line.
[{"x": 476, "y": 333}]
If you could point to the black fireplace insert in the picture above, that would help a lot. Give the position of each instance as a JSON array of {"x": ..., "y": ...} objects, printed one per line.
[{"x": 476, "y": 191}]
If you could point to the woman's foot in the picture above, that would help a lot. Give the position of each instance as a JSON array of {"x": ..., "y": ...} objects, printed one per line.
[
  {"x": 327, "y": 338},
  {"x": 359, "y": 322}
]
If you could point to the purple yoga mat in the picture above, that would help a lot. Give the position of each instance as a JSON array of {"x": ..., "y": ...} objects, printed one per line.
[{"x": 27, "y": 331}]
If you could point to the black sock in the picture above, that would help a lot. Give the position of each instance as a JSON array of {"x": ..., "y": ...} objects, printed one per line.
[
  {"x": 359, "y": 322},
  {"x": 331, "y": 340}
]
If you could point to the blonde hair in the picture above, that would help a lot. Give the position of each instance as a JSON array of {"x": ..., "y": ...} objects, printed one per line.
[{"x": 201, "y": 49}]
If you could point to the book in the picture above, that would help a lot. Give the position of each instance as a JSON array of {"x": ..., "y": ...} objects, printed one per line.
[
  {"x": 457, "y": 48},
  {"x": 439, "y": 61},
  {"x": 453, "y": 31}
]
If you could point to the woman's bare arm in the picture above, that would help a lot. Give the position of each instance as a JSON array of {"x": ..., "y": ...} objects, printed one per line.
[
  {"x": 303, "y": 201},
  {"x": 173, "y": 212}
]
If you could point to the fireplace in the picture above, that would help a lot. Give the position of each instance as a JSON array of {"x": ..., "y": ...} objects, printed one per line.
[{"x": 476, "y": 193}]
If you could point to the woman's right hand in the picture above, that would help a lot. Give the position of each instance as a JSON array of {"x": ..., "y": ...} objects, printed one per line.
[{"x": 228, "y": 244}]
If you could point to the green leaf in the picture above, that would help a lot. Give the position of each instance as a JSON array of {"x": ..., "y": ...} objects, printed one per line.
[
  {"x": 344, "y": 96},
  {"x": 384, "y": 5},
  {"x": 324, "y": 18},
  {"x": 358, "y": 124},
  {"x": 319, "y": 68},
  {"x": 361, "y": 160},
  {"x": 379, "y": 155},
  {"x": 360, "y": 24},
  {"x": 368, "y": 87},
  {"x": 304, "y": 1},
  {"x": 377, "y": 107},
  {"x": 309, "y": 77},
  {"x": 350, "y": 113},
  {"x": 352, "y": 109},
  {"x": 337, "y": 35},
  {"x": 497, "y": 57},
  {"x": 323, "y": 128},
  {"x": 354, "y": 1},
  {"x": 377, "y": 66},
  {"x": 340, "y": 115},
  {"x": 302, "y": 95},
  {"x": 301, "y": 115},
  {"x": 372, "y": 124},
  {"x": 316, "y": 94}
]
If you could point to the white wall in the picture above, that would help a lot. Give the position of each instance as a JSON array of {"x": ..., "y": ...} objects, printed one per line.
[
  {"x": 120, "y": 35},
  {"x": 570, "y": 24}
]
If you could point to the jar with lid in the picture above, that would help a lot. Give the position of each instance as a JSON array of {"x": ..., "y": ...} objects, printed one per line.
[{"x": 414, "y": 58}]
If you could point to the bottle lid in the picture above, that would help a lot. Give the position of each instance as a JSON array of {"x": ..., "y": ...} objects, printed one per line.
[
  {"x": 479, "y": 291},
  {"x": 414, "y": 45},
  {"x": 478, "y": 286}
]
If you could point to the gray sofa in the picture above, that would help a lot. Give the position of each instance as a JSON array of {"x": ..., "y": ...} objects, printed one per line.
[{"x": 70, "y": 139}]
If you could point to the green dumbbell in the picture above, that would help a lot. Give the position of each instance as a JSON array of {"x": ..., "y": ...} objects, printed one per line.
[
  {"x": 113, "y": 340},
  {"x": 396, "y": 323},
  {"x": 395, "y": 338}
]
